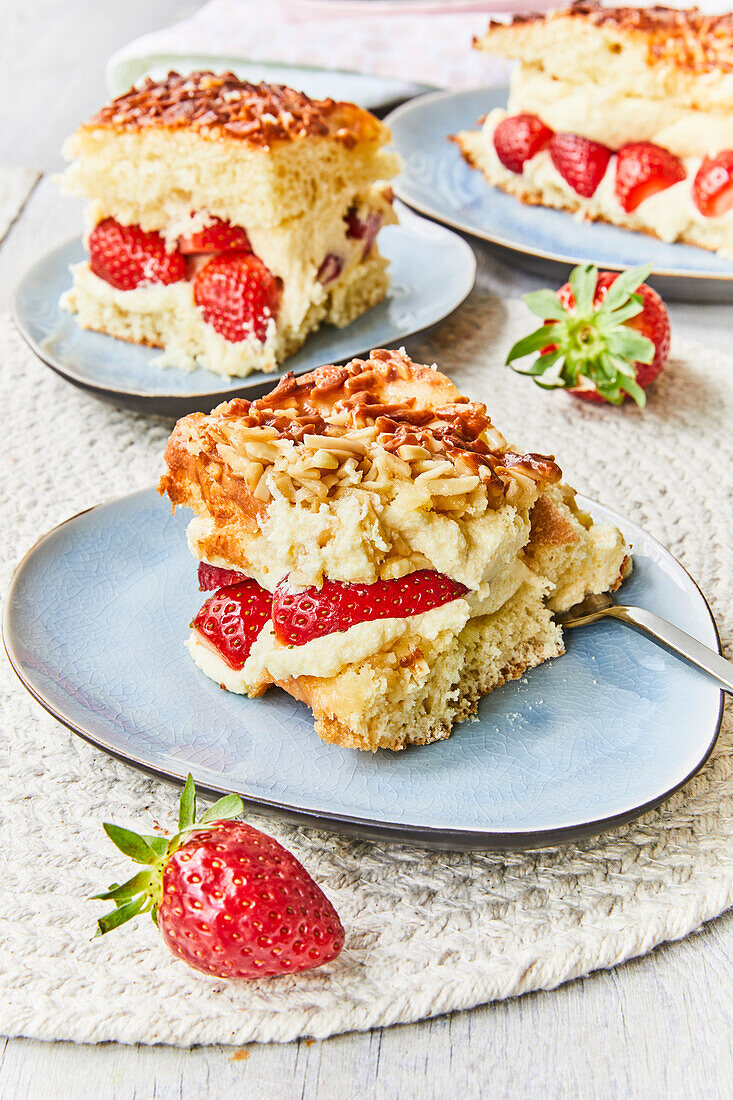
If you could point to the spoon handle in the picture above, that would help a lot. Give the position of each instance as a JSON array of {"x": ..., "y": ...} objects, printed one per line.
[{"x": 674, "y": 639}]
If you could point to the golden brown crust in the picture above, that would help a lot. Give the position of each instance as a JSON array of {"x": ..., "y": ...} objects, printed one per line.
[
  {"x": 688, "y": 39},
  {"x": 408, "y": 405},
  {"x": 223, "y": 106},
  {"x": 316, "y": 694}
]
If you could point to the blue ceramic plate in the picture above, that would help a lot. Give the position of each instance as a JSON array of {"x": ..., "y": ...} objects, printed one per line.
[
  {"x": 437, "y": 181},
  {"x": 584, "y": 741},
  {"x": 432, "y": 271}
]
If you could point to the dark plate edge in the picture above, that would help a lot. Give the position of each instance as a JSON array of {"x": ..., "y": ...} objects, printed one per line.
[
  {"x": 492, "y": 238},
  {"x": 416, "y": 836},
  {"x": 263, "y": 381}
]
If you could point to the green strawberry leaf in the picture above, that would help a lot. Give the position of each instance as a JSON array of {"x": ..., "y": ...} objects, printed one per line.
[
  {"x": 546, "y": 304},
  {"x": 119, "y": 916},
  {"x": 187, "y": 807},
  {"x": 629, "y": 344},
  {"x": 131, "y": 844},
  {"x": 624, "y": 312},
  {"x": 230, "y": 805},
  {"x": 536, "y": 340},
  {"x": 128, "y": 889},
  {"x": 543, "y": 363},
  {"x": 634, "y": 391},
  {"x": 626, "y": 283},
  {"x": 159, "y": 844},
  {"x": 583, "y": 280}
]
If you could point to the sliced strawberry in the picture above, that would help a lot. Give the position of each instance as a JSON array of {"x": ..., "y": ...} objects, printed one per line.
[
  {"x": 581, "y": 163},
  {"x": 238, "y": 295},
  {"x": 302, "y": 616},
  {"x": 231, "y": 620},
  {"x": 518, "y": 138},
  {"x": 363, "y": 227},
  {"x": 218, "y": 237},
  {"x": 712, "y": 188},
  {"x": 330, "y": 269},
  {"x": 126, "y": 257},
  {"x": 642, "y": 169},
  {"x": 212, "y": 577}
]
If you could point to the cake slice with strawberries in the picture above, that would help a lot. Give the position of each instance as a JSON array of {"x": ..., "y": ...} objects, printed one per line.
[
  {"x": 227, "y": 220},
  {"x": 375, "y": 548},
  {"x": 617, "y": 114}
]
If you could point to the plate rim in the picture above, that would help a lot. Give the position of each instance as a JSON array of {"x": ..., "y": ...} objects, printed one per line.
[
  {"x": 416, "y": 835},
  {"x": 261, "y": 378},
  {"x": 492, "y": 238}
]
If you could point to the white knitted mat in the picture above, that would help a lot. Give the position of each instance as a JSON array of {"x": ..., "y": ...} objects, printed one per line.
[{"x": 426, "y": 932}]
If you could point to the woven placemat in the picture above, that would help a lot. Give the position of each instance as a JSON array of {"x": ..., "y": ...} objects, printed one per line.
[{"x": 426, "y": 932}]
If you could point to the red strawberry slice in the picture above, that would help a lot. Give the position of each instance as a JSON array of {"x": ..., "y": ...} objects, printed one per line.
[
  {"x": 643, "y": 169},
  {"x": 212, "y": 577},
  {"x": 231, "y": 620},
  {"x": 302, "y": 616},
  {"x": 581, "y": 163},
  {"x": 712, "y": 188},
  {"x": 227, "y": 899},
  {"x": 238, "y": 295},
  {"x": 363, "y": 227},
  {"x": 126, "y": 257},
  {"x": 220, "y": 236},
  {"x": 518, "y": 138},
  {"x": 330, "y": 269}
]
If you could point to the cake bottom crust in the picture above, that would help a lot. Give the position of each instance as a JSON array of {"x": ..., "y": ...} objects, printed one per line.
[
  {"x": 167, "y": 317},
  {"x": 374, "y": 707},
  {"x": 473, "y": 147}
]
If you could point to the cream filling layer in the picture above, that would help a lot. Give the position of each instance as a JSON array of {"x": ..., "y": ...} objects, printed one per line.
[
  {"x": 668, "y": 213},
  {"x": 169, "y": 314},
  {"x": 269, "y": 660},
  {"x": 613, "y": 116},
  {"x": 350, "y": 538}
]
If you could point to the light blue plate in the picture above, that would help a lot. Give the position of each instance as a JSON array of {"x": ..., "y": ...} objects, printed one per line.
[
  {"x": 437, "y": 181},
  {"x": 432, "y": 271},
  {"x": 582, "y": 742}
]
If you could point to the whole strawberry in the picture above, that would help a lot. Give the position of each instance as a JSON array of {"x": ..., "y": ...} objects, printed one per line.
[
  {"x": 126, "y": 257},
  {"x": 605, "y": 337},
  {"x": 228, "y": 900}
]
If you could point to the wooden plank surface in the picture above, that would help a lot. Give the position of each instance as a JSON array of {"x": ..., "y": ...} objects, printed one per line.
[{"x": 657, "y": 1027}]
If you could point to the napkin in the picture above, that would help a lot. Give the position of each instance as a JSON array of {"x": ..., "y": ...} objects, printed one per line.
[{"x": 320, "y": 44}]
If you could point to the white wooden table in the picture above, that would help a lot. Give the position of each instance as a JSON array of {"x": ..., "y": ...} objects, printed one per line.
[{"x": 658, "y": 1027}]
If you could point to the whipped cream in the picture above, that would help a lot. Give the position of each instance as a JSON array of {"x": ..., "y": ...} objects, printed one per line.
[
  {"x": 609, "y": 114},
  {"x": 271, "y": 660},
  {"x": 668, "y": 213}
]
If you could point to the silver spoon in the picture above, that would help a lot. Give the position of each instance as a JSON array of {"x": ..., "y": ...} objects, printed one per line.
[{"x": 671, "y": 637}]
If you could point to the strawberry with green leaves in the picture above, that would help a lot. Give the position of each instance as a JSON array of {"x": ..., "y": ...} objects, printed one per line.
[
  {"x": 605, "y": 336},
  {"x": 227, "y": 899}
]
